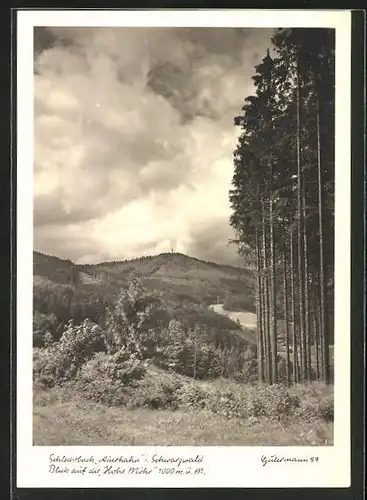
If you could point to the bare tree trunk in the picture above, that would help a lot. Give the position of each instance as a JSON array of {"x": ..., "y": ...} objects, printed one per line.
[
  {"x": 300, "y": 234},
  {"x": 194, "y": 371},
  {"x": 272, "y": 309},
  {"x": 259, "y": 312},
  {"x": 316, "y": 337},
  {"x": 286, "y": 329},
  {"x": 266, "y": 304},
  {"x": 264, "y": 325},
  {"x": 293, "y": 311},
  {"x": 321, "y": 335},
  {"x": 273, "y": 332},
  {"x": 323, "y": 297},
  {"x": 308, "y": 365}
]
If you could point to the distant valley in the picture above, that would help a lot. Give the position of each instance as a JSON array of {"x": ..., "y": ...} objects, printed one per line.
[{"x": 187, "y": 287}]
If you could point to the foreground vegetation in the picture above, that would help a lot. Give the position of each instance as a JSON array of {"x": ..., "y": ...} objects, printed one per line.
[
  {"x": 134, "y": 373},
  {"x": 63, "y": 417}
]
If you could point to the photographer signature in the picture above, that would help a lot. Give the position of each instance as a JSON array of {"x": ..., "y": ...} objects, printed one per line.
[{"x": 265, "y": 460}]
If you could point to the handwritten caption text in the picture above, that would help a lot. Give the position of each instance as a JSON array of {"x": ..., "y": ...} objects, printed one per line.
[{"x": 142, "y": 464}]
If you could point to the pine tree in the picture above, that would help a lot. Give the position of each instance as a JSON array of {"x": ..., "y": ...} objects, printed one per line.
[{"x": 282, "y": 198}]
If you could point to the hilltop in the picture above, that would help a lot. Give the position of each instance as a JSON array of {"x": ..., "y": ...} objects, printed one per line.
[
  {"x": 171, "y": 275},
  {"x": 185, "y": 286}
]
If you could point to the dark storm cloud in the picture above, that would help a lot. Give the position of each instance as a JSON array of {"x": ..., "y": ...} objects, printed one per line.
[
  {"x": 181, "y": 91},
  {"x": 43, "y": 39}
]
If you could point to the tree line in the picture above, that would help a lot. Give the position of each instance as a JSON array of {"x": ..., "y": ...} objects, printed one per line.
[
  {"x": 283, "y": 202},
  {"x": 137, "y": 324}
]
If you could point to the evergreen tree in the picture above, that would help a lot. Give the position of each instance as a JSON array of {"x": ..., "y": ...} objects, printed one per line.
[{"x": 283, "y": 199}]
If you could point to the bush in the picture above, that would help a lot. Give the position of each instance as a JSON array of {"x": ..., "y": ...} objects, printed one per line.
[
  {"x": 248, "y": 372},
  {"x": 188, "y": 352},
  {"x": 326, "y": 409},
  {"x": 191, "y": 396},
  {"x": 154, "y": 395},
  {"x": 119, "y": 366},
  {"x": 274, "y": 402},
  {"x": 44, "y": 329},
  {"x": 227, "y": 404},
  {"x": 172, "y": 353},
  {"x": 133, "y": 323},
  {"x": 61, "y": 360},
  {"x": 224, "y": 403},
  {"x": 107, "y": 378},
  {"x": 43, "y": 369},
  {"x": 271, "y": 402},
  {"x": 316, "y": 402}
]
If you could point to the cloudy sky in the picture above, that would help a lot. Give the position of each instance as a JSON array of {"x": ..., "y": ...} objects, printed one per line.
[{"x": 134, "y": 139}]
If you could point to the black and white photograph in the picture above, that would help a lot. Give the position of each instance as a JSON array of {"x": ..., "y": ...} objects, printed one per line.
[
  {"x": 183, "y": 221},
  {"x": 154, "y": 148}
]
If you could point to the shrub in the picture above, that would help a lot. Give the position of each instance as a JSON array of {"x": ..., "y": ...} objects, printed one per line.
[
  {"x": 227, "y": 404},
  {"x": 187, "y": 352},
  {"x": 317, "y": 402},
  {"x": 274, "y": 402},
  {"x": 191, "y": 396},
  {"x": 120, "y": 366},
  {"x": 271, "y": 402},
  {"x": 44, "y": 328},
  {"x": 154, "y": 395},
  {"x": 132, "y": 323},
  {"x": 43, "y": 370},
  {"x": 326, "y": 409},
  {"x": 61, "y": 360},
  {"x": 248, "y": 372},
  {"x": 106, "y": 378},
  {"x": 171, "y": 354}
]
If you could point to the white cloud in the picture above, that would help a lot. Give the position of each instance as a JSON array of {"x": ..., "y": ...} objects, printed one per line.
[{"x": 132, "y": 160}]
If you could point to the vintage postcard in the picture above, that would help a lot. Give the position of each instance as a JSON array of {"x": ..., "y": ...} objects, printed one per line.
[{"x": 183, "y": 248}]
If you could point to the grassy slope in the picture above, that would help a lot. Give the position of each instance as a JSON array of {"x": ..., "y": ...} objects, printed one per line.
[{"x": 61, "y": 419}]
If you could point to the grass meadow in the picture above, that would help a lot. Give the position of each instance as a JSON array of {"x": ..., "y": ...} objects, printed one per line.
[{"x": 63, "y": 418}]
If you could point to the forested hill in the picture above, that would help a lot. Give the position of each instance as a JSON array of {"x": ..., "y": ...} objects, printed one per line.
[
  {"x": 183, "y": 278},
  {"x": 184, "y": 286},
  {"x": 52, "y": 268}
]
